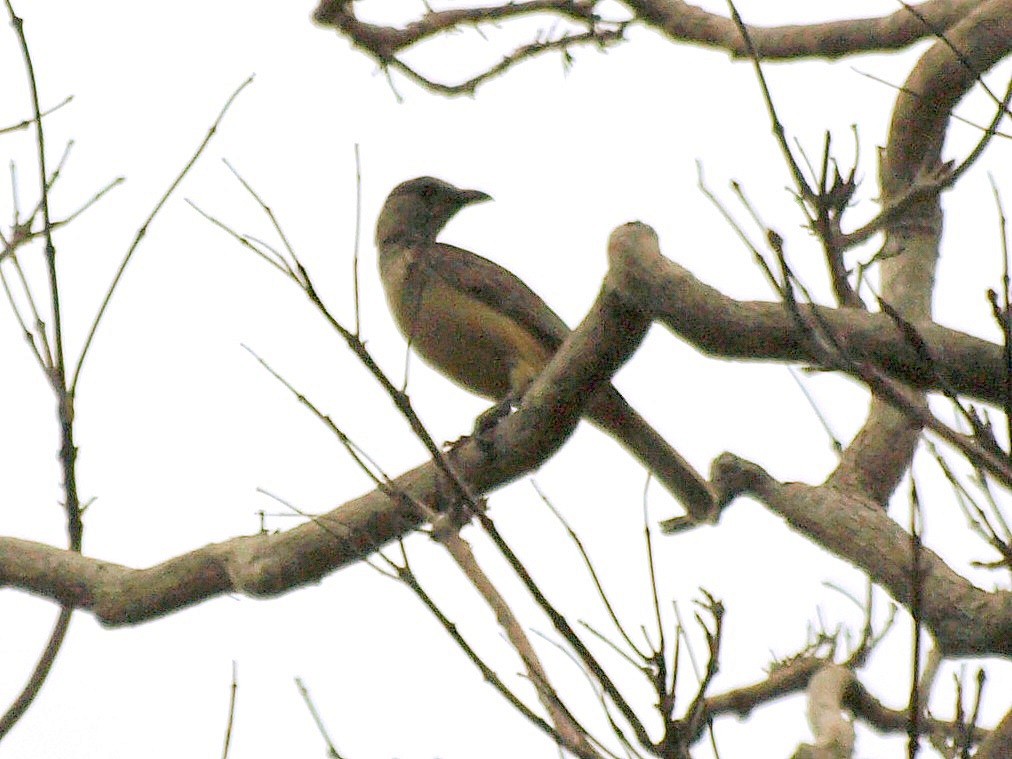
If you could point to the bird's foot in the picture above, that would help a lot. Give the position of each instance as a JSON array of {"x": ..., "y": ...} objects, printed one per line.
[
  {"x": 483, "y": 426},
  {"x": 493, "y": 416},
  {"x": 487, "y": 421}
]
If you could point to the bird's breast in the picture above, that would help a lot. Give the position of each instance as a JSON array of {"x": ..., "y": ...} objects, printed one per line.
[{"x": 462, "y": 336}]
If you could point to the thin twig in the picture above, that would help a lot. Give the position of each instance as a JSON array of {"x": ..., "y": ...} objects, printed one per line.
[
  {"x": 804, "y": 190},
  {"x": 985, "y": 139},
  {"x": 617, "y": 731},
  {"x": 834, "y": 441},
  {"x": 739, "y": 230},
  {"x": 25, "y": 331},
  {"x": 28, "y": 122},
  {"x": 57, "y": 381},
  {"x": 654, "y": 594},
  {"x": 365, "y": 462},
  {"x": 358, "y": 234},
  {"x": 269, "y": 212},
  {"x": 1005, "y": 322},
  {"x": 24, "y": 699},
  {"x": 230, "y": 722},
  {"x": 899, "y": 88},
  {"x": 38, "y": 323},
  {"x": 406, "y": 576},
  {"x": 563, "y": 627},
  {"x": 960, "y": 55},
  {"x": 269, "y": 255},
  {"x": 317, "y": 719},
  {"x": 599, "y": 37},
  {"x": 458, "y": 549},
  {"x": 300, "y": 276},
  {"x": 143, "y": 229},
  {"x": 590, "y": 568},
  {"x": 916, "y": 578},
  {"x": 934, "y": 182},
  {"x": 973, "y": 513}
]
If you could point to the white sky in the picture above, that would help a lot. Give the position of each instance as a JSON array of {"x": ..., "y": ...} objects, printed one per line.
[{"x": 178, "y": 426}]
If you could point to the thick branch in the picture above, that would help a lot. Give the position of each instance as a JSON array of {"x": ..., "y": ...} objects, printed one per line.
[
  {"x": 754, "y": 330},
  {"x": 872, "y": 712},
  {"x": 965, "y": 620},
  {"x": 680, "y": 21},
  {"x": 794, "y": 676},
  {"x": 683, "y": 22},
  {"x": 385, "y": 43},
  {"x": 267, "y": 565},
  {"x": 881, "y": 452},
  {"x": 943, "y": 75},
  {"x": 999, "y": 743}
]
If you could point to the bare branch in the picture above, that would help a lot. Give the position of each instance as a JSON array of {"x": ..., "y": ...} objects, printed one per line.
[
  {"x": 21, "y": 125},
  {"x": 230, "y": 723},
  {"x": 332, "y": 752},
  {"x": 858, "y": 531},
  {"x": 384, "y": 43},
  {"x": 143, "y": 229},
  {"x": 24, "y": 699}
]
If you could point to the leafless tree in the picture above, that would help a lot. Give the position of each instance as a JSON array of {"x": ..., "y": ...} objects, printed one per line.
[{"x": 884, "y": 338}]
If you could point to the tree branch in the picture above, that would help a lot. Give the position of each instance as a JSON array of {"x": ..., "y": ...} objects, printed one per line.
[
  {"x": 683, "y": 22},
  {"x": 965, "y": 620}
]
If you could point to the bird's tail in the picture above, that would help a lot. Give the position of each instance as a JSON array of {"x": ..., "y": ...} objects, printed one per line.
[{"x": 613, "y": 414}]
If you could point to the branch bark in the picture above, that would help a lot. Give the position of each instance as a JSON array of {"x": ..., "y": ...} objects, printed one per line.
[
  {"x": 965, "y": 620},
  {"x": 267, "y": 565},
  {"x": 682, "y": 22}
]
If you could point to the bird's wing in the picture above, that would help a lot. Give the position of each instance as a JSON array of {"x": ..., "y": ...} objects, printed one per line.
[{"x": 498, "y": 288}]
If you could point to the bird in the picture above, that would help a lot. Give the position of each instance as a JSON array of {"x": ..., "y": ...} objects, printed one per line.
[{"x": 479, "y": 325}]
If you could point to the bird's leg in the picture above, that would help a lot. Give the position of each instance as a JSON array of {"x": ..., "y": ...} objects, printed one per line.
[
  {"x": 485, "y": 423},
  {"x": 490, "y": 418},
  {"x": 520, "y": 379}
]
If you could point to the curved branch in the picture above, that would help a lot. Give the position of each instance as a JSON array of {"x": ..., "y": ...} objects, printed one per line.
[
  {"x": 885, "y": 720},
  {"x": 27, "y": 696},
  {"x": 965, "y": 620},
  {"x": 598, "y": 37},
  {"x": 384, "y": 43},
  {"x": 882, "y": 451},
  {"x": 723, "y": 327},
  {"x": 267, "y": 565},
  {"x": 683, "y": 22}
]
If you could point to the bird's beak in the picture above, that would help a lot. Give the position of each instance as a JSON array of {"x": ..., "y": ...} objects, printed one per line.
[{"x": 474, "y": 196}]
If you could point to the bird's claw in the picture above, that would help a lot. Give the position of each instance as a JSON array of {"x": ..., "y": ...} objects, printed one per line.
[
  {"x": 487, "y": 421},
  {"x": 490, "y": 418}
]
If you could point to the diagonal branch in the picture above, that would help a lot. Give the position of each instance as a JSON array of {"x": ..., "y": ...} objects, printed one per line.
[{"x": 965, "y": 620}]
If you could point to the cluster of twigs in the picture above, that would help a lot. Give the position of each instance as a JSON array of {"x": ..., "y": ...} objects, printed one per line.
[
  {"x": 41, "y": 323},
  {"x": 581, "y": 24}
]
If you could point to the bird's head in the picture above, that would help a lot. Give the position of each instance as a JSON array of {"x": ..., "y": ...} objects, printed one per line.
[{"x": 417, "y": 210}]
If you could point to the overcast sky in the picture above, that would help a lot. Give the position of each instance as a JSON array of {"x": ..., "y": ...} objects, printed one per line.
[{"x": 178, "y": 426}]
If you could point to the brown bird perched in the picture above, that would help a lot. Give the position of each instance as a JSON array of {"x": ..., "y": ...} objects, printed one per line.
[{"x": 482, "y": 327}]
